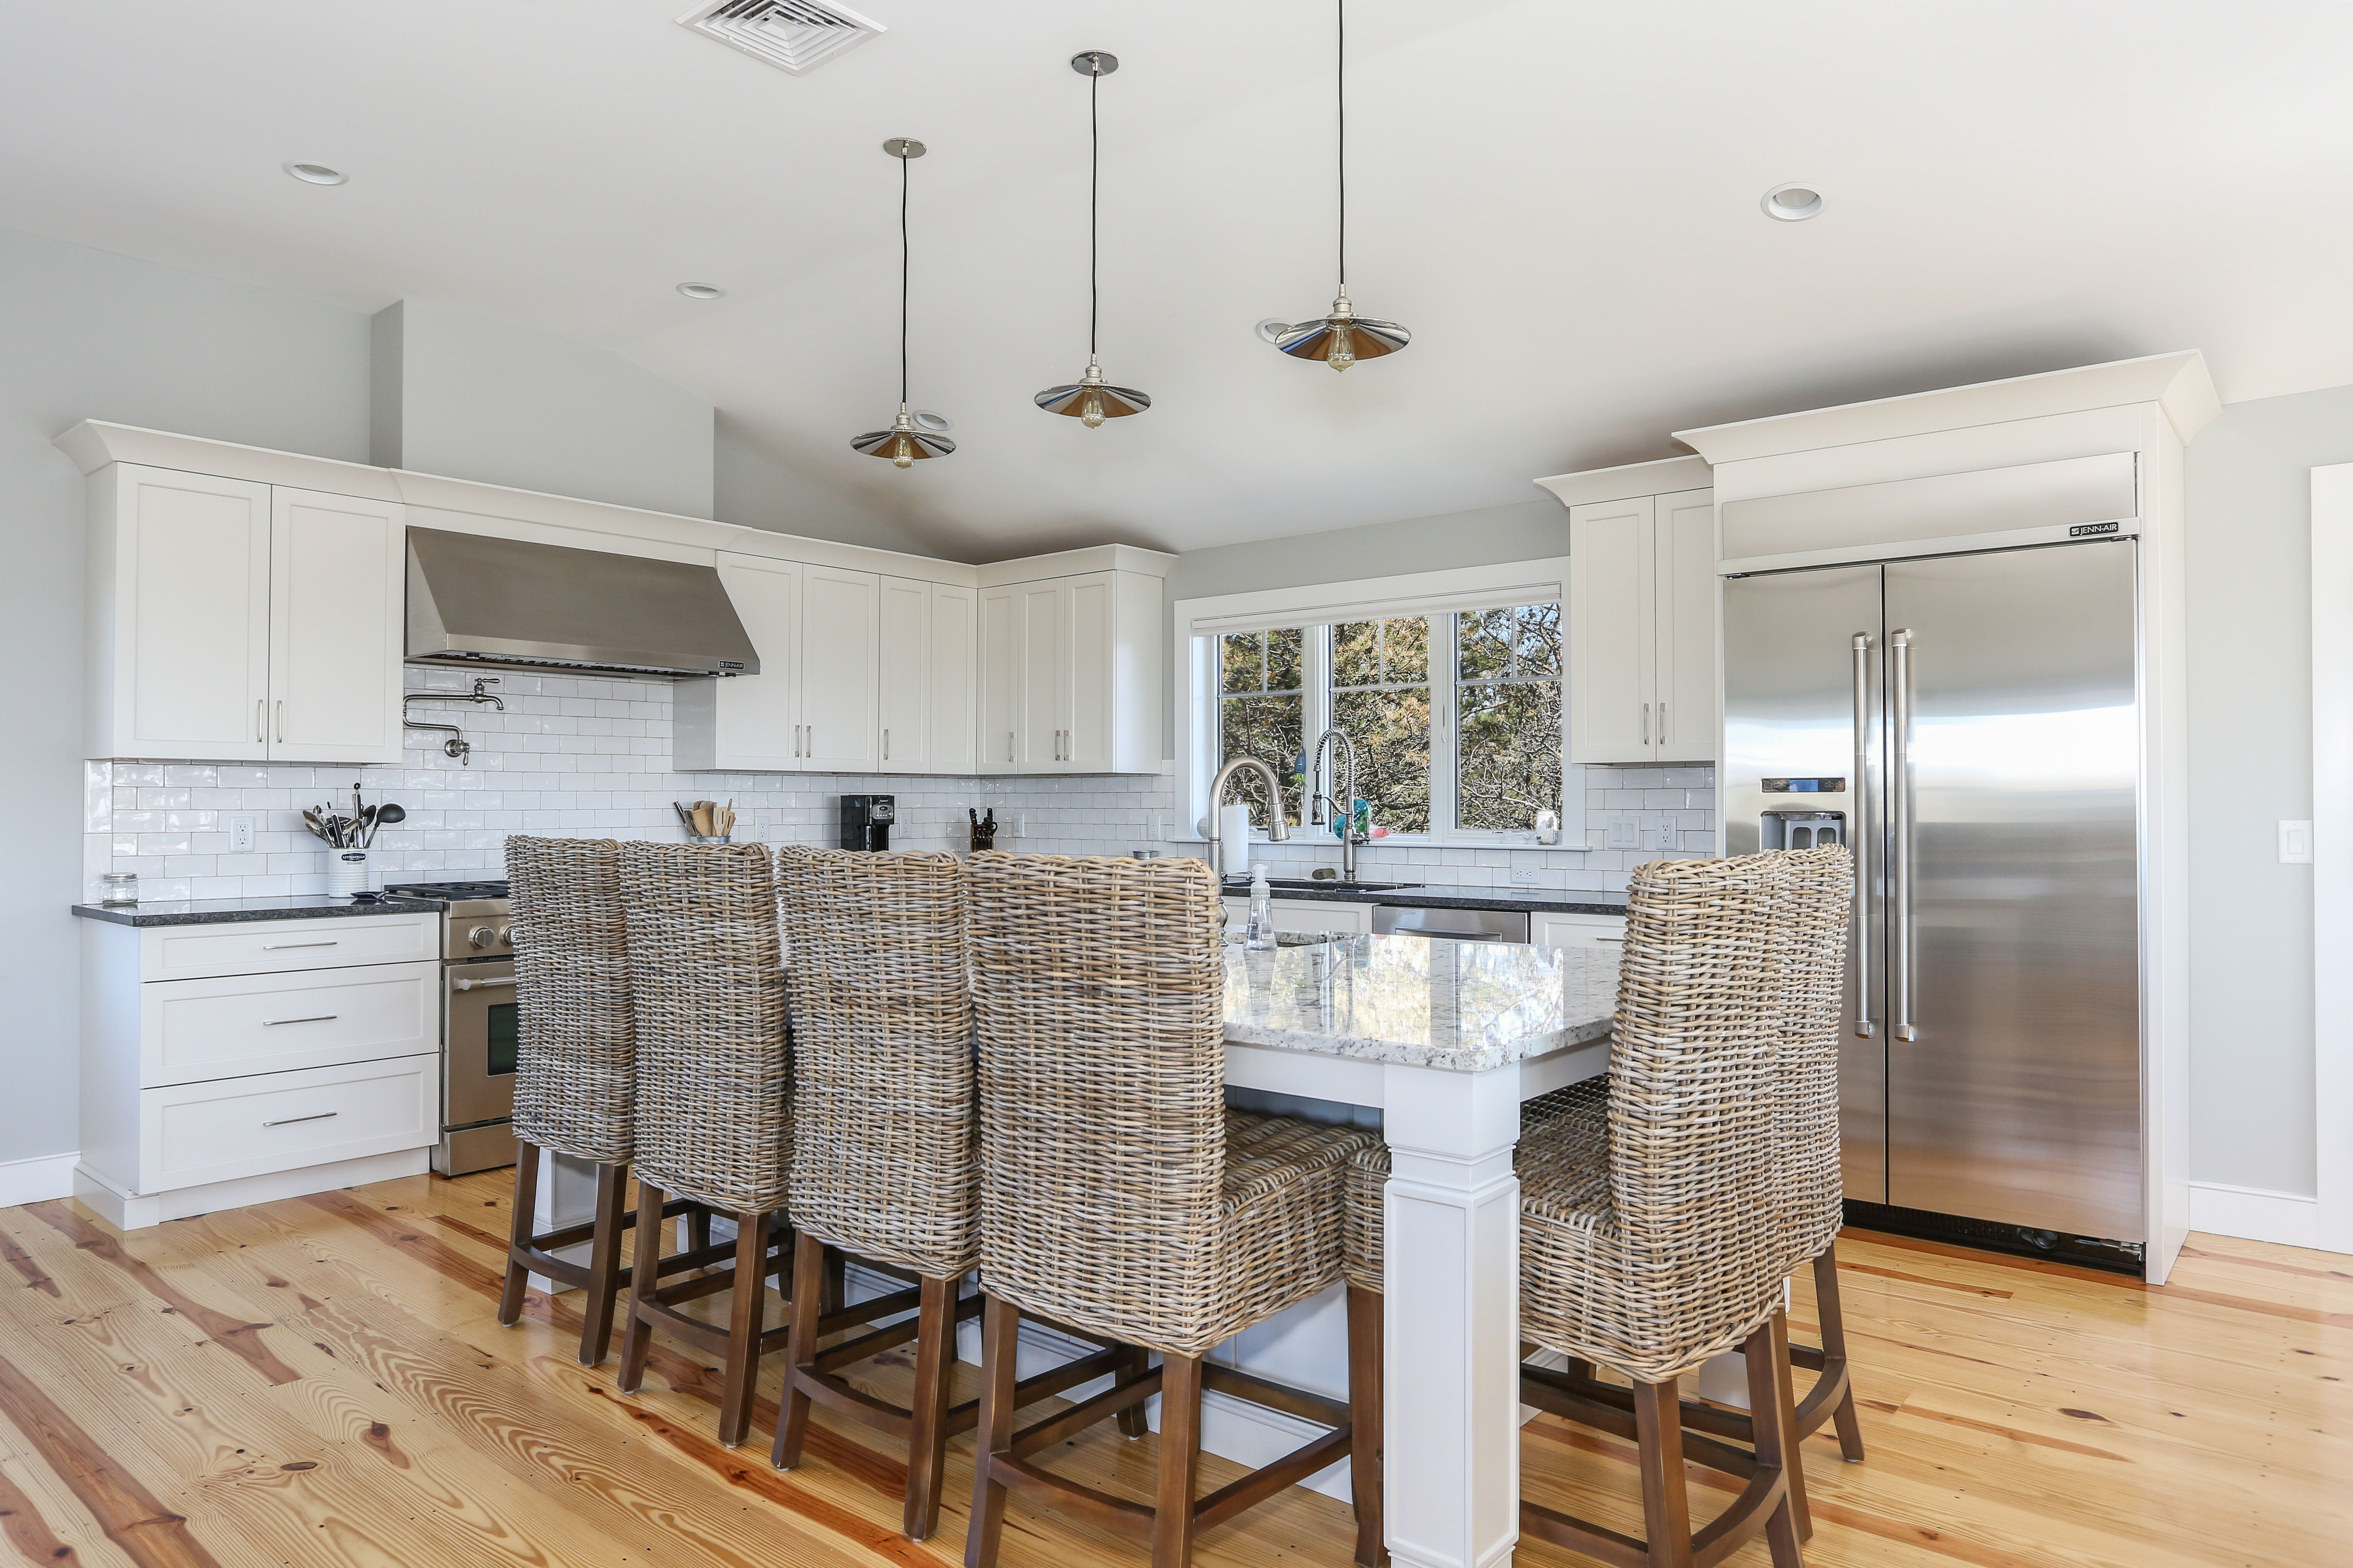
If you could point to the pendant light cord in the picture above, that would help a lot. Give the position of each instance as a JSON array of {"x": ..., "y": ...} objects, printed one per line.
[
  {"x": 1341, "y": 96},
  {"x": 902, "y": 279},
  {"x": 1094, "y": 197}
]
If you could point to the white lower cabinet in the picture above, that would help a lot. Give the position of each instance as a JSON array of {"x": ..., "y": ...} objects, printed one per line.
[
  {"x": 235, "y": 1064},
  {"x": 1576, "y": 930},
  {"x": 1305, "y": 914}
]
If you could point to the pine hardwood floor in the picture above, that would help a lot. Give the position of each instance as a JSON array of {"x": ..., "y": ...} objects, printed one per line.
[{"x": 321, "y": 1382}]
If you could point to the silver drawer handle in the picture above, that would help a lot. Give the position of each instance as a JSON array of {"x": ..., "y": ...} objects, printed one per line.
[
  {"x": 1616, "y": 939},
  {"x": 291, "y": 1120},
  {"x": 322, "y": 1018},
  {"x": 276, "y": 946},
  {"x": 464, "y": 985}
]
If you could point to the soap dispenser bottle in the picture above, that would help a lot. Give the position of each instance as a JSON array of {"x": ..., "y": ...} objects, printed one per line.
[{"x": 1259, "y": 934}]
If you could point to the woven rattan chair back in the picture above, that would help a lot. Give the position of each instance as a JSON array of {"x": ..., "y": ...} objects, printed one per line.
[
  {"x": 883, "y": 1159},
  {"x": 1813, "y": 902},
  {"x": 706, "y": 977},
  {"x": 576, "y": 1054},
  {"x": 1098, "y": 991}
]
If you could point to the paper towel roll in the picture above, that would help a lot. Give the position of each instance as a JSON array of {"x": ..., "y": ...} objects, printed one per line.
[{"x": 1233, "y": 839}]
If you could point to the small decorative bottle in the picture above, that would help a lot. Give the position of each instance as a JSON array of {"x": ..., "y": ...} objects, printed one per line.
[{"x": 1260, "y": 935}]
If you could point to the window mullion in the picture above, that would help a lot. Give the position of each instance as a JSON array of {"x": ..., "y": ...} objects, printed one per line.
[{"x": 1443, "y": 704}]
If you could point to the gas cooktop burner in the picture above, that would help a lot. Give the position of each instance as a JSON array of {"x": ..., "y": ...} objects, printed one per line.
[{"x": 451, "y": 891}]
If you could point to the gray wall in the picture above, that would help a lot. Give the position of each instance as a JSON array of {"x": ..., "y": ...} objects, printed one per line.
[
  {"x": 754, "y": 489},
  {"x": 484, "y": 400},
  {"x": 93, "y": 336},
  {"x": 2248, "y": 498}
]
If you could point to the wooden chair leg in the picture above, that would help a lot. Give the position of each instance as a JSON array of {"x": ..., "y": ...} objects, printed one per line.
[
  {"x": 1366, "y": 1393},
  {"x": 1134, "y": 1421},
  {"x": 745, "y": 1304},
  {"x": 698, "y": 1229},
  {"x": 1784, "y": 1410},
  {"x": 793, "y": 1409},
  {"x": 1834, "y": 1362},
  {"x": 604, "y": 1264},
  {"x": 1666, "y": 1505},
  {"x": 644, "y": 1270},
  {"x": 837, "y": 1282},
  {"x": 1773, "y": 1415},
  {"x": 1180, "y": 1461},
  {"x": 1001, "y": 1327},
  {"x": 927, "y": 1438},
  {"x": 526, "y": 1199}
]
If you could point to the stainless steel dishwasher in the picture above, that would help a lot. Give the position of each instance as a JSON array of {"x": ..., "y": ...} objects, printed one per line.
[{"x": 1451, "y": 925}]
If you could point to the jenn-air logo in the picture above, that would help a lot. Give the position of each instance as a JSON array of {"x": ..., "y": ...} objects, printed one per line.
[{"x": 2091, "y": 530}]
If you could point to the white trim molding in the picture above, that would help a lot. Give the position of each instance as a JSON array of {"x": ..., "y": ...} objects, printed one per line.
[
  {"x": 37, "y": 1180},
  {"x": 2332, "y": 854},
  {"x": 2253, "y": 1213}
]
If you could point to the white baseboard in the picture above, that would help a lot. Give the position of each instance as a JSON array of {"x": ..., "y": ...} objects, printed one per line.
[
  {"x": 2253, "y": 1213},
  {"x": 37, "y": 1180},
  {"x": 128, "y": 1211}
]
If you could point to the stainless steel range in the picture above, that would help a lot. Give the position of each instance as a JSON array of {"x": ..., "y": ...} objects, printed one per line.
[{"x": 478, "y": 1024}]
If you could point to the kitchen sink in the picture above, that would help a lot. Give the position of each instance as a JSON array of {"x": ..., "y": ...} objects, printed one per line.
[{"x": 1309, "y": 885}]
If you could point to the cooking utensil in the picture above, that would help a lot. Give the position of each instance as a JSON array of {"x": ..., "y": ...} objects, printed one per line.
[{"x": 386, "y": 816}]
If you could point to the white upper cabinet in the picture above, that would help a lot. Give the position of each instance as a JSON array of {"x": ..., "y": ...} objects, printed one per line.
[
  {"x": 1070, "y": 675},
  {"x": 840, "y": 628},
  {"x": 750, "y": 723},
  {"x": 906, "y": 675},
  {"x": 337, "y": 569},
  {"x": 1641, "y": 629},
  {"x": 952, "y": 717},
  {"x": 231, "y": 623}
]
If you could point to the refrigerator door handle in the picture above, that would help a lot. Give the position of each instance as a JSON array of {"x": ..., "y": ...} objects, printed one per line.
[
  {"x": 1864, "y": 1026},
  {"x": 1899, "y": 813}
]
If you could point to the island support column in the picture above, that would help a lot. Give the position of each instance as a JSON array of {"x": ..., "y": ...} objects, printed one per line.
[{"x": 1450, "y": 1283}]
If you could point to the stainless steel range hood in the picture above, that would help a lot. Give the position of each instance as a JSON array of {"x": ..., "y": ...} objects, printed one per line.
[{"x": 511, "y": 604}]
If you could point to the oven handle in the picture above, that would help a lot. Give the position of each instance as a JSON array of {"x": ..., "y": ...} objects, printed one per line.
[{"x": 462, "y": 983}]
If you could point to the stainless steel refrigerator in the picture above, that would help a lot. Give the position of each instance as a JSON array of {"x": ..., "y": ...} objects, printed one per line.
[{"x": 1969, "y": 723}]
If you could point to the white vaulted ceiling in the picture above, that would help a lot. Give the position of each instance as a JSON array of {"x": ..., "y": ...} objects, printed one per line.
[{"x": 1561, "y": 200}]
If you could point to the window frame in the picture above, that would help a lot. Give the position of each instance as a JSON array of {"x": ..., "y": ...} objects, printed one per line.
[{"x": 1316, "y": 607}]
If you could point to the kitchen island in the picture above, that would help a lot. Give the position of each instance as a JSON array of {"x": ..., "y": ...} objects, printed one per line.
[{"x": 1445, "y": 1038}]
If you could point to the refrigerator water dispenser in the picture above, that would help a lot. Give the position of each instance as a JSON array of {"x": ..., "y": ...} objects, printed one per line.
[{"x": 1801, "y": 829}]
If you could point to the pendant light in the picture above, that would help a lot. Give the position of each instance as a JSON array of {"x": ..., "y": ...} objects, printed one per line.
[
  {"x": 1088, "y": 400},
  {"x": 1342, "y": 338},
  {"x": 903, "y": 443}
]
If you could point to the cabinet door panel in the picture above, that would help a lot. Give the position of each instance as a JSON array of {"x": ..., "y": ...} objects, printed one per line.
[
  {"x": 749, "y": 722},
  {"x": 838, "y": 632},
  {"x": 337, "y": 571},
  {"x": 1613, "y": 635},
  {"x": 905, "y": 672},
  {"x": 1043, "y": 699},
  {"x": 1000, "y": 680},
  {"x": 951, "y": 747},
  {"x": 193, "y": 616},
  {"x": 1093, "y": 668},
  {"x": 1686, "y": 718}
]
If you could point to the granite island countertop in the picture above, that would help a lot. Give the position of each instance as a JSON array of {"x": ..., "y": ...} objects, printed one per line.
[
  {"x": 1534, "y": 900},
  {"x": 1465, "y": 1006},
  {"x": 227, "y": 911}
]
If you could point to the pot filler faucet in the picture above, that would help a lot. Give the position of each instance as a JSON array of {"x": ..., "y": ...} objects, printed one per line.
[
  {"x": 1277, "y": 828},
  {"x": 1317, "y": 799}
]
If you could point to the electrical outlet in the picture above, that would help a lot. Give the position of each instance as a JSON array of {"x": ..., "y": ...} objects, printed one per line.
[
  {"x": 1625, "y": 833},
  {"x": 1523, "y": 875},
  {"x": 240, "y": 835}
]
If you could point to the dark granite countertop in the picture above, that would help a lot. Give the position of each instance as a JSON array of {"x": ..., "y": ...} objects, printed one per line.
[
  {"x": 226, "y": 911},
  {"x": 1543, "y": 901}
]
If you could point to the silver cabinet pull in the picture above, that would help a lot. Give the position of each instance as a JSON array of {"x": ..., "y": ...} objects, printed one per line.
[
  {"x": 1663, "y": 723},
  {"x": 275, "y": 946},
  {"x": 260, "y": 707},
  {"x": 1899, "y": 823},
  {"x": 886, "y": 743},
  {"x": 1646, "y": 723},
  {"x": 282, "y": 721},
  {"x": 1860, "y": 837},
  {"x": 320, "y": 1018},
  {"x": 291, "y": 1120},
  {"x": 1008, "y": 745},
  {"x": 462, "y": 983}
]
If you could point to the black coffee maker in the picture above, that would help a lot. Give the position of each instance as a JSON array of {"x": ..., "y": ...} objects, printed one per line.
[{"x": 866, "y": 820}]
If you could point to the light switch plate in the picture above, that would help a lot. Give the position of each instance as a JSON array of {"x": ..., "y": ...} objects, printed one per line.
[
  {"x": 2294, "y": 843},
  {"x": 1625, "y": 833},
  {"x": 240, "y": 835}
]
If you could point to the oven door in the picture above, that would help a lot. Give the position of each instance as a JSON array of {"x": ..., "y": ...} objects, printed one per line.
[{"x": 477, "y": 1069}]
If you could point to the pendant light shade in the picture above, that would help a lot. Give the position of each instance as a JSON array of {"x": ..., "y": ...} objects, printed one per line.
[
  {"x": 1342, "y": 337},
  {"x": 903, "y": 443},
  {"x": 1088, "y": 400}
]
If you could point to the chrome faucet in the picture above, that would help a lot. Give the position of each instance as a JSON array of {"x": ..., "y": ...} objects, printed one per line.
[
  {"x": 1277, "y": 827},
  {"x": 1317, "y": 800}
]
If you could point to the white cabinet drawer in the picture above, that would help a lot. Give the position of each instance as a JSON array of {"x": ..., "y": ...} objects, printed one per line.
[
  {"x": 195, "y": 1030},
  {"x": 193, "y": 1133},
  {"x": 262, "y": 947},
  {"x": 1578, "y": 931},
  {"x": 1304, "y": 914}
]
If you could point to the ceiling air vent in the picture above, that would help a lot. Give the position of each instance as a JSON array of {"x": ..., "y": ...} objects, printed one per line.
[{"x": 796, "y": 36}]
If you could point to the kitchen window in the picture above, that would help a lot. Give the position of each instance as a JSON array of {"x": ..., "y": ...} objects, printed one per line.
[{"x": 1452, "y": 697}]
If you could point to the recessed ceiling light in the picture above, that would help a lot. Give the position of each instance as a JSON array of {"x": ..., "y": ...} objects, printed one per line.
[
  {"x": 316, "y": 174},
  {"x": 927, "y": 420},
  {"x": 700, "y": 291},
  {"x": 1793, "y": 203}
]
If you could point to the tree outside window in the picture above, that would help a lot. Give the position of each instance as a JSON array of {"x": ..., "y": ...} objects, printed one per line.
[
  {"x": 1262, "y": 705},
  {"x": 1380, "y": 695},
  {"x": 1507, "y": 733}
]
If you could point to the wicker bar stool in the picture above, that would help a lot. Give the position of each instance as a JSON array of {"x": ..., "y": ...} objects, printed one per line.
[
  {"x": 883, "y": 1167},
  {"x": 1119, "y": 1196},
  {"x": 706, "y": 978},
  {"x": 575, "y": 1068},
  {"x": 1654, "y": 1205}
]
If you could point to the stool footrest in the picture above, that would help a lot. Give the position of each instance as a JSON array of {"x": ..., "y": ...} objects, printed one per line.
[
  {"x": 1086, "y": 1413},
  {"x": 1261, "y": 1484}
]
